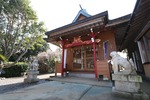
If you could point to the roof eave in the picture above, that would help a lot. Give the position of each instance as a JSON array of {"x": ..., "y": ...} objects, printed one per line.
[
  {"x": 129, "y": 23},
  {"x": 78, "y": 22}
]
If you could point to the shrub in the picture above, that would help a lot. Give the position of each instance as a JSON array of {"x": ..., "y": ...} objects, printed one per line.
[
  {"x": 46, "y": 66},
  {"x": 16, "y": 70},
  {"x": 51, "y": 63},
  {"x": 43, "y": 68}
]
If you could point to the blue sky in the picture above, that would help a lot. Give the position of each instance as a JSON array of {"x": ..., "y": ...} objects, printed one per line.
[{"x": 57, "y": 13}]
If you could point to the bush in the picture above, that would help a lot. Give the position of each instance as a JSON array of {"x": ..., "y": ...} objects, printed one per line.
[
  {"x": 52, "y": 65},
  {"x": 16, "y": 70},
  {"x": 43, "y": 68}
]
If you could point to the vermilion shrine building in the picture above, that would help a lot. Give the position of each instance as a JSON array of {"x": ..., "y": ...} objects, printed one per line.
[{"x": 87, "y": 42}]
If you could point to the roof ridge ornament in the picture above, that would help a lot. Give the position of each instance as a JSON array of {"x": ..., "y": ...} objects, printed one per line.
[
  {"x": 80, "y": 6},
  {"x": 81, "y": 12}
]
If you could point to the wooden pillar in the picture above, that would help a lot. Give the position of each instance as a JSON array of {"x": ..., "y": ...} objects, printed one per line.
[
  {"x": 85, "y": 65},
  {"x": 94, "y": 52},
  {"x": 82, "y": 58},
  {"x": 55, "y": 69},
  {"x": 95, "y": 59}
]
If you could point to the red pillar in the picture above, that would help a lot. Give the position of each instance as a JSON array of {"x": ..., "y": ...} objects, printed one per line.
[
  {"x": 62, "y": 66},
  {"x": 94, "y": 51},
  {"x": 95, "y": 60}
]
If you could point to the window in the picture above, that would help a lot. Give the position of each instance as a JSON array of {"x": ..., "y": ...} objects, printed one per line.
[
  {"x": 137, "y": 61},
  {"x": 77, "y": 58},
  {"x": 83, "y": 58},
  {"x": 105, "y": 47},
  {"x": 144, "y": 48},
  {"x": 89, "y": 58}
]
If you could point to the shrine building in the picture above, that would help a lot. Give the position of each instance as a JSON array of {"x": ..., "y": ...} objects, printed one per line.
[{"x": 87, "y": 42}]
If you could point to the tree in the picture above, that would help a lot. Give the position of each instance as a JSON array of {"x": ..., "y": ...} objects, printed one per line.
[
  {"x": 19, "y": 29},
  {"x": 37, "y": 48},
  {"x": 2, "y": 59},
  {"x": 58, "y": 54}
]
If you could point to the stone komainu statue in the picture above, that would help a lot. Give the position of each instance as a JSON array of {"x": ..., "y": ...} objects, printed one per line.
[
  {"x": 118, "y": 62},
  {"x": 33, "y": 65}
]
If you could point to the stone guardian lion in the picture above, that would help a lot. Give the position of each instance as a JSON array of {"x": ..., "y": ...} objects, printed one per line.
[{"x": 118, "y": 62}]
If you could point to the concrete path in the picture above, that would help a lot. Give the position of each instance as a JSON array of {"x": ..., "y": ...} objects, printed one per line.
[
  {"x": 47, "y": 91},
  {"x": 70, "y": 88},
  {"x": 55, "y": 90},
  {"x": 87, "y": 81}
]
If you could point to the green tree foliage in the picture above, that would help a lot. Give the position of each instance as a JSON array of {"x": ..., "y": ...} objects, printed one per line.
[
  {"x": 19, "y": 29},
  {"x": 38, "y": 47},
  {"x": 2, "y": 58}
]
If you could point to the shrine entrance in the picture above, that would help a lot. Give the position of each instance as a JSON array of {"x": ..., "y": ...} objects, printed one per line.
[{"x": 83, "y": 58}]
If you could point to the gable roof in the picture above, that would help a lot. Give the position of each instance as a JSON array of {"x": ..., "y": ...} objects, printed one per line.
[
  {"x": 97, "y": 22},
  {"x": 76, "y": 24},
  {"x": 81, "y": 12}
]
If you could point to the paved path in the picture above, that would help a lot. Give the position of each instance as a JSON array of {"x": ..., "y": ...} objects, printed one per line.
[
  {"x": 54, "y": 90},
  {"x": 87, "y": 81},
  {"x": 70, "y": 88}
]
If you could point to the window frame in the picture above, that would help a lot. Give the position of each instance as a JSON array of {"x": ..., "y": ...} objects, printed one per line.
[{"x": 144, "y": 49}]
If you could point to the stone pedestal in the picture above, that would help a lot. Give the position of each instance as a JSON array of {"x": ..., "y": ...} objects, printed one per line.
[
  {"x": 31, "y": 76},
  {"x": 128, "y": 86}
]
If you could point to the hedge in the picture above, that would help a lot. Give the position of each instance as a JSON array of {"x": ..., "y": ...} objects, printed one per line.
[{"x": 15, "y": 71}]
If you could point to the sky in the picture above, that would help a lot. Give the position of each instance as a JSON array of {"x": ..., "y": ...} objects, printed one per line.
[{"x": 57, "y": 13}]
